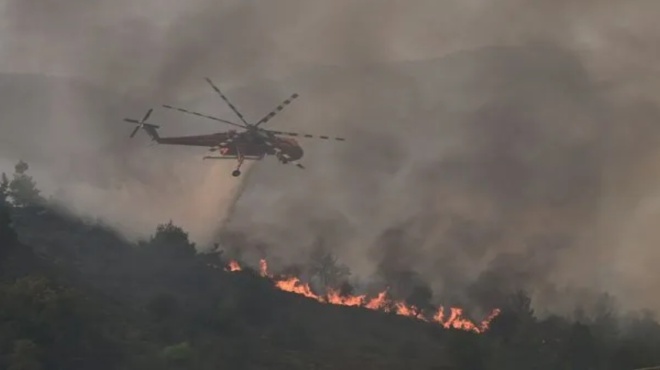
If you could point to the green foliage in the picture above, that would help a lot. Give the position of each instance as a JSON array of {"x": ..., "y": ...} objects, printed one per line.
[
  {"x": 8, "y": 237},
  {"x": 22, "y": 189},
  {"x": 293, "y": 335},
  {"x": 26, "y": 356},
  {"x": 179, "y": 355},
  {"x": 4, "y": 188},
  {"x": 107, "y": 304},
  {"x": 580, "y": 348},
  {"x": 163, "y": 306},
  {"x": 516, "y": 316},
  {"x": 171, "y": 241},
  {"x": 466, "y": 351},
  {"x": 7, "y": 233},
  {"x": 47, "y": 323}
]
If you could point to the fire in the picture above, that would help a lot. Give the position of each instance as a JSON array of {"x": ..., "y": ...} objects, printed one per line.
[
  {"x": 233, "y": 266},
  {"x": 381, "y": 302}
]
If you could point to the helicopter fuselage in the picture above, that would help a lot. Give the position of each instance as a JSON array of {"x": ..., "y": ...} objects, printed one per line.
[{"x": 257, "y": 144}]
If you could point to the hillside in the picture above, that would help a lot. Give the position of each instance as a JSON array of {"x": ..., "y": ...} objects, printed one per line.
[{"x": 75, "y": 295}]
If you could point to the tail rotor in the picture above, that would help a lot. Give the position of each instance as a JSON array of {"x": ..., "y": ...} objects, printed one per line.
[{"x": 141, "y": 124}]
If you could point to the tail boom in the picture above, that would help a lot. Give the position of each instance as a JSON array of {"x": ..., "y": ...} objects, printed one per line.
[{"x": 151, "y": 131}]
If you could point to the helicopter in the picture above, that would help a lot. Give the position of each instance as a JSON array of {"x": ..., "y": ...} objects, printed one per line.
[{"x": 252, "y": 142}]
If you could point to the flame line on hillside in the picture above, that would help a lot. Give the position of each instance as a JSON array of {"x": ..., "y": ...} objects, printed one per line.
[{"x": 379, "y": 303}]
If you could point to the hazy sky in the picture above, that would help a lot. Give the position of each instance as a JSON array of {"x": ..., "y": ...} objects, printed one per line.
[{"x": 135, "y": 41}]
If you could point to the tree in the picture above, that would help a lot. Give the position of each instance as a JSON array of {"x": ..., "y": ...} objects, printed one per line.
[
  {"x": 62, "y": 321},
  {"x": 521, "y": 304},
  {"x": 162, "y": 306},
  {"x": 325, "y": 266},
  {"x": 171, "y": 241},
  {"x": 346, "y": 289},
  {"x": 516, "y": 315},
  {"x": 420, "y": 298},
  {"x": 580, "y": 349},
  {"x": 179, "y": 356},
  {"x": 25, "y": 356},
  {"x": 8, "y": 237},
  {"x": 605, "y": 325},
  {"x": 22, "y": 188},
  {"x": 214, "y": 257},
  {"x": 466, "y": 350},
  {"x": 4, "y": 188}
]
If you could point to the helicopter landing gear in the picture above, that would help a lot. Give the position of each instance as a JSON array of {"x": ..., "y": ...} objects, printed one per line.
[
  {"x": 282, "y": 159},
  {"x": 241, "y": 158}
]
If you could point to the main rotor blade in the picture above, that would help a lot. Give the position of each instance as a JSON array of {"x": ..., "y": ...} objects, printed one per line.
[
  {"x": 146, "y": 116},
  {"x": 226, "y": 100},
  {"x": 295, "y": 134},
  {"x": 277, "y": 110},
  {"x": 203, "y": 115},
  {"x": 135, "y": 131}
]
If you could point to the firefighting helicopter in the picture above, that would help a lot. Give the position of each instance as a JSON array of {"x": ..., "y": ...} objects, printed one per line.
[{"x": 252, "y": 143}]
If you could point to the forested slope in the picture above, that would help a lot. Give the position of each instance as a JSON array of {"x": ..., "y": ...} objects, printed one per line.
[{"x": 75, "y": 295}]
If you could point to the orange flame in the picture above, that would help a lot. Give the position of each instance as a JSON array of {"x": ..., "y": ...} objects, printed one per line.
[
  {"x": 233, "y": 266},
  {"x": 379, "y": 303}
]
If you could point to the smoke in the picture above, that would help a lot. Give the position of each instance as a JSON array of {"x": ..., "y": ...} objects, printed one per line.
[
  {"x": 505, "y": 143},
  {"x": 485, "y": 170},
  {"x": 70, "y": 79}
]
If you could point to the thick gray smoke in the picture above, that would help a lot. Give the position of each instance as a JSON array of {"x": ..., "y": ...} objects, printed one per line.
[
  {"x": 491, "y": 143},
  {"x": 501, "y": 168}
]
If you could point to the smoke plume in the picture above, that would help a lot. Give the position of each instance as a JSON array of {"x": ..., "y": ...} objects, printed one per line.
[{"x": 491, "y": 144}]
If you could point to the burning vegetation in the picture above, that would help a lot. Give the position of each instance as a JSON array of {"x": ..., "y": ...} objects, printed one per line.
[
  {"x": 77, "y": 296},
  {"x": 449, "y": 319}
]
